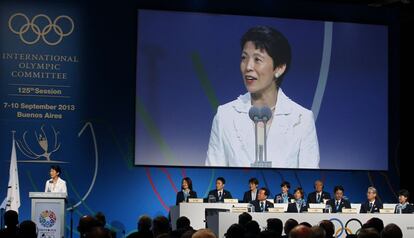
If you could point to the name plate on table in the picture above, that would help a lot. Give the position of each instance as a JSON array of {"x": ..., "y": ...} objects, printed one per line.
[
  {"x": 315, "y": 210},
  {"x": 231, "y": 200},
  {"x": 238, "y": 209},
  {"x": 277, "y": 209},
  {"x": 349, "y": 210},
  {"x": 387, "y": 210},
  {"x": 195, "y": 200}
]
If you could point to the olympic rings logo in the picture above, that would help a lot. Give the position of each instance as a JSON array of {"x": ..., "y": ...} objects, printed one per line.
[
  {"x": 340, "y": 231},
  {"x": 40, "y": 32}
]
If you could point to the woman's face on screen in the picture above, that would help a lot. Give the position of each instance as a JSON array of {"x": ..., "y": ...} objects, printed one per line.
[
  {"x": 257, "y": 69},
  {"x": 184, "y": 184}
]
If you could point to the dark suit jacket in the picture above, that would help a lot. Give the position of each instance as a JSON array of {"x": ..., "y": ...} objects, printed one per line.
[
  {"x": 375, "y": 209},
  {"x": 290, "y": 196},
  {"x": 180, "y": 196},
  {"x": 256, "y": 204},
  {"x": 247, "y": 197},
  {"x": 292, "y": 208},
  {"x": 226, "y": 194},
  {"x": 312, "y": 197},
  {"x": 344, "y": 204},
  {"x": 408, "y": 209}
]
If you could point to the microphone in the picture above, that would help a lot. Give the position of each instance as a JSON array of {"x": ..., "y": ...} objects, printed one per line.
[
  {"x": 260, "y": 115},
  {"x": 51, "y": 181}
]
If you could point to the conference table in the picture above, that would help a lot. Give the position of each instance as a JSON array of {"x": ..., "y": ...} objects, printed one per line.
[{"x": 219, "y": 222}]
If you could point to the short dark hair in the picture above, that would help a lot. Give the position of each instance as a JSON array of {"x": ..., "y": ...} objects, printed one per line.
[
  {"x": 404, "y": 192},
  {"x": 11, "y": 218},
  {"x": 221, "y": 179},
  {"x": 328, "y": 226},
  {"x": 189, "y": 182},
  {"x": 289, "y": 225},
  {"x": 266, "y": 191},
  {"x": 144, "y": 223},
  {"x": 254, "y": 180},
  {"x": 391, "y": 231},
  {"x": 339, "y": 187},
  {"x": 285, "y": 183},
  {"x": 182, "y": 223},
  {"x": 100, "y": 217},
  {"x": 244, "y": 218},
  {"x": 273, "y": 42},
  {"x": 300, "y": 189},
  {"x": 56, "y": 168},
  {"x": 275, "y": 225}
]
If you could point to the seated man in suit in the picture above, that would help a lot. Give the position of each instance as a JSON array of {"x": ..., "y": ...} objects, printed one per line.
[
  {"x": 299, "y": 205},
  {"x": 251, "y": 195},
  {"x": 219, "y": 193},
  {"x": 338, "y": 202},
  {"x": 318, "y": 195},
  {"x": 403, "y": 205},
  {"x": 372, "y": 205},
  {"x": 261, "y": 204},
  {"x": 284, "y": 196}
]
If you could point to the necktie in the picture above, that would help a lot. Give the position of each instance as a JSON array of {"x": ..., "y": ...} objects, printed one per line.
[
  {"x": 318, "y": 198},
  {"x": 337, "y": 205},
  {"x": 370, "y": 206},
  {"x": 220, "y": 195},
  {"x": 262, "y": 206}
]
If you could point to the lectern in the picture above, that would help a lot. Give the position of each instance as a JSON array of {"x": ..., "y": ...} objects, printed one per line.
[{"x": 48, "y": 212}]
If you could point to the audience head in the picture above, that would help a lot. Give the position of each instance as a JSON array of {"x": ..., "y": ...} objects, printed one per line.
[
  {"x": 100, "y": 217},
  {"x": 253, "y": 183},
  {"x": 86, "y": 223},
  {"x": 318, "y": 232},
  {"x": 11, "y": 219},
  {"x": 318, "y": 186},
  {"x": 28, "y": 229},
  {"x": 98, "y": 232},
  {"x": 188, "y": 234},
  {"x": 252, "y": 228},
  {"x": 262, "y": 194},
  {"x": 403, "y": 196},
  {"x": 306, "y": 224},
  {"x": 371, "y": 193},
  {"x": 160, "y": 225},
  {"x": 220, "y": 182},
  {"x": 338, "y": 192},
  {"x": 144, "y": 223},
  {"x": 289, "y": 224},
  {"x": 300, "y": 231},
  {"x": 244, "y": 218},
  {"x": 186, "y": 183},
  {"x": 285, "y": 185},
  {"x": 391, "y": 231},
  {"x": 204, "y": 233},
  {"x": 183, "y": 223},
  {"x": 328, "y": 226},
  {"x": 368, "y": 233},
  {"x": 275, "y": 225},
  {"x": 235, "y": 231},
  {"x": 375, "y": 223}
]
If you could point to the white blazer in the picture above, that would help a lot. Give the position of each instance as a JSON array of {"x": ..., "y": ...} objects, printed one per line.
[
  {"x": 59, "y": 187},
  {"x": 291, "y": 141}
]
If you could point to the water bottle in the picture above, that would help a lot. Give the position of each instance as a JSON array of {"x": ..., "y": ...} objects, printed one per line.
[
  {"x": 328, "y": 208},
  {"x": 399, "y": 210}
]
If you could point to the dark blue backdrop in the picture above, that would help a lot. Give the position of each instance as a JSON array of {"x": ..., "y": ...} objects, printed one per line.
[{"x": 104, "y": 90}]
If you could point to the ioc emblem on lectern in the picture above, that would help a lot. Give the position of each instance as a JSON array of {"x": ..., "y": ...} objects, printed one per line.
[
  {"x": 41, "y": 146},
  {"x": 41, "y": 27}
]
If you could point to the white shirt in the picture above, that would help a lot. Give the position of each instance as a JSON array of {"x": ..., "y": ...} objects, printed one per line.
[
  {"x": 58, "y": 187},
  {"x": 291, "y": 142},
  {"x": 253, "y": 194}
]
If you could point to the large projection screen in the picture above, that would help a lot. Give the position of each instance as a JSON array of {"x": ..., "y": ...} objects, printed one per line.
[{"x": 189, "y": 71}]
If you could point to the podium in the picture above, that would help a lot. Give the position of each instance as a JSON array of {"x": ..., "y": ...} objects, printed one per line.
[{"x": 48, "y": 212}]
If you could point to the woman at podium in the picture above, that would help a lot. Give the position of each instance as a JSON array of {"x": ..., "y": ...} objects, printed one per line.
[
  {"x": 186, "y": 191},
  {"x": 55, "y": 184}
]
